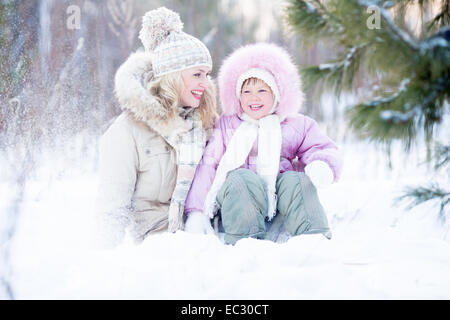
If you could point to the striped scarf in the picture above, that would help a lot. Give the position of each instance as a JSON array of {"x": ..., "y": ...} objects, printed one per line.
[{"x": 189, "y": 148}]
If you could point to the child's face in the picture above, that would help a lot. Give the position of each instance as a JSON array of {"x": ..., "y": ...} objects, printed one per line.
[{"x": 256, "y": 98}]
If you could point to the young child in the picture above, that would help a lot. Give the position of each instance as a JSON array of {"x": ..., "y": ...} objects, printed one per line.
[{"x": 264, "y": 159}]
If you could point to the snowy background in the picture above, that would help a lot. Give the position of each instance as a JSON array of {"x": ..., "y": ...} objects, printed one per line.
[
  {"x": 56, "y": 99},
  {"x": 378, "y": 251}
]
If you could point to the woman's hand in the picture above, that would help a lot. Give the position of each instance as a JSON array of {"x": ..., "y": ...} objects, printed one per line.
[{"x": 198, "y": 222}]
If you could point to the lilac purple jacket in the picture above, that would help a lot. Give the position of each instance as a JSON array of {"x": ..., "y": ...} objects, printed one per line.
[{"x": 302, "y": 143}]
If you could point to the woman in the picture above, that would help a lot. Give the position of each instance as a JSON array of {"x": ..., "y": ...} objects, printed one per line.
[{"x": 148, "y": 156}]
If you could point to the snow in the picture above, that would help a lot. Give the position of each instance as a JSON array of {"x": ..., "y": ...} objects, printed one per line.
[
  {"x": 378, "y": 250},
  {"x": 398, "y": 117},
  {"x": 310, "y": 8},
  {"x": 430, "y": 44},
  {"x": 326, "y": 66}
]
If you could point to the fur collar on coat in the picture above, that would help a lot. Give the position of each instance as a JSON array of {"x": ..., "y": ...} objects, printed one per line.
[{"x": 131, "y": 88}]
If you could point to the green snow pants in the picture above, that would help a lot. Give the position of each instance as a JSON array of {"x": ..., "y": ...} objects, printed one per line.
[{"x": 243, "y": 207}]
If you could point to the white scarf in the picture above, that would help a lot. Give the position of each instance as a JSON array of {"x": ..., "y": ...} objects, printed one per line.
[{"x": 268, "y": 131}]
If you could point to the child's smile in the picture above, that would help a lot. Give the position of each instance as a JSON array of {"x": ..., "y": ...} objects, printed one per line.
[
  {"x": 256, "y": 107},
  {"x": 256, "y": 98}
]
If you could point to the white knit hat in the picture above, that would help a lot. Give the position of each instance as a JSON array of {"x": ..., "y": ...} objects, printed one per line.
[
  {"x": 263, "y": 75},
  {"x": 173, "y": 50}
]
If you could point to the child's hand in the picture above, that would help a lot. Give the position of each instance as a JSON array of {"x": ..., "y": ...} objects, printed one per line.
[
  {"x": 198, "y": 222},
  {"x": 320, "y": 173}
]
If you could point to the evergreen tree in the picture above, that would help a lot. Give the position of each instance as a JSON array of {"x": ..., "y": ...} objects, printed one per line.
[{"x": 411, "y": 67}]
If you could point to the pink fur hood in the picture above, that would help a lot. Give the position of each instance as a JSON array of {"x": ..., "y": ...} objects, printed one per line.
[{"x": 269, "y": 57}]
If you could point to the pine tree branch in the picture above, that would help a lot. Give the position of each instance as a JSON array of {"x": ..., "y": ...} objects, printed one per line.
[
  {"x": 313, "y": 21},
  {"x": 441, "y": 156},
  {"x": 401, "y": 34},
  {"x": 352, "y": 34},
  {"x": 419, "y": 102},
  {"x": 338, "y": 74},
  {"x": 412, "y": 107},
  {"x": 442, "y": 18},
  {"x": 326, "y": 13},
  {"x": 417, "y": 196}
]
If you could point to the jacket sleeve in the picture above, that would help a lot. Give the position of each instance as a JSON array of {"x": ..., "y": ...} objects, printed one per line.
[
  {"x": 316, "y": 145},
  {"x": 206, "y": 170},
  {"x": 118, "y": 162}
]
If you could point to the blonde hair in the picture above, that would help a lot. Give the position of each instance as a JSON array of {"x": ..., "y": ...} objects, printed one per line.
[{"x": 167, "y": 89}]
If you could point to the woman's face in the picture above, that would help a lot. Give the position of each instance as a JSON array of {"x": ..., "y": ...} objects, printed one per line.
[
  {"x": 196, "y": 81},
  {"x": 256, "y": 98}
]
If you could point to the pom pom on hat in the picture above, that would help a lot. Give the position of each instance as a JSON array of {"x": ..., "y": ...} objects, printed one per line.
[
  {"x": 157, "y": 25},
  {"x": 172, "y": 50}
]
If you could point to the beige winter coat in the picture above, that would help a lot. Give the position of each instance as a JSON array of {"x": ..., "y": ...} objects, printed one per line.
[{"x": 137, "y": 166}]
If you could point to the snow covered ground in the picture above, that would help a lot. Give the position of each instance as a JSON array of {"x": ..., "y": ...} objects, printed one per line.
[{"x": 378, "y": 250}]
